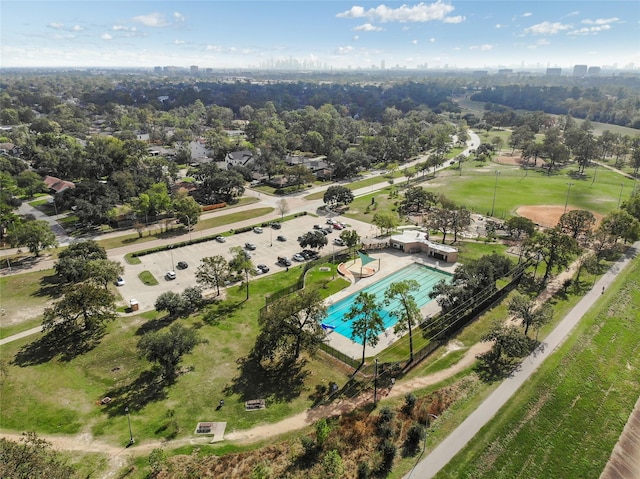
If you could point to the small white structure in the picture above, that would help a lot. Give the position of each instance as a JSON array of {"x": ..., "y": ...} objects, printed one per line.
[{"x": 413, "y": 241}]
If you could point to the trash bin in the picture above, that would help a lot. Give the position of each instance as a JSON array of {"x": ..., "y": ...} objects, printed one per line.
[{"x": 134, "y": 305}]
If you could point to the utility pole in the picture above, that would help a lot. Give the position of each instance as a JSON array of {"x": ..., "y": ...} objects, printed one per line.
[
  {"x": 566, "y": 202},
  {"x": 620, "y": 197},
  {"x": 495, "y": 189}
]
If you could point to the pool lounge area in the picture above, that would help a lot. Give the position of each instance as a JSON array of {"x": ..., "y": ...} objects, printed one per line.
[{"x": 394, "y": 266}]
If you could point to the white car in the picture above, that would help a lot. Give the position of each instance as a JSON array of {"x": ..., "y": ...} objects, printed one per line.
[
  {"x": 171, "y": 275},
  {"x": 257, "y": 229},
  {"x": 120, "y": 281},
  {"x": 298, "y": 257}
]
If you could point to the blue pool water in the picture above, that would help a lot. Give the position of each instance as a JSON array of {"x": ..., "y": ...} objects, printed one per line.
[{"x": 425, "y": 276}]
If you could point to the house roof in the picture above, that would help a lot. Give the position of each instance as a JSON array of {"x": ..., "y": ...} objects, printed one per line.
[{"x": 57, "y": 184}]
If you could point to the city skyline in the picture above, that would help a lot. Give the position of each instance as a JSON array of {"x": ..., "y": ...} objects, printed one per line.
[{"x": 320, "y": 34}]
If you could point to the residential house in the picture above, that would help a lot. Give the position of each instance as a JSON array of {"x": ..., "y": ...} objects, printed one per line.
[
  {"x": 318, "y": 166},
  {"x": 239, "y": 158},
  {"x": 56, "y": 185},
  {"x": 10, "y": 149}
]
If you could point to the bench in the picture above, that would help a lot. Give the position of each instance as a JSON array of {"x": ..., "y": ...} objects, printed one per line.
[{"x": 254, "y": 405}]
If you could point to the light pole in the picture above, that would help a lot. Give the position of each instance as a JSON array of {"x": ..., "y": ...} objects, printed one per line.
[
  {"x": 375, "y": 385},
  {"x": 131, "y": 440},
  {"x": 189, "y": 226},
  {"x": 271, "y": 236},
  {"x": 495, "y": 189},
  {"x": 595, "y": 172},
  {"x": 171, "y": 251},
  {"x": 620, "y": 197},
  {"x": 566, "y": 202}
]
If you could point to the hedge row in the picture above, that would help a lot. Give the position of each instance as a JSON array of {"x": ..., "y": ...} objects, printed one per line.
[
  {"x": 213, "y": 207},
  {"x": 243, "y": 229}
]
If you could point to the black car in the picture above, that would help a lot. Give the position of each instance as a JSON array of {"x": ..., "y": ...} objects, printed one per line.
[
  {"x": 263, "y": 267},
  {"x": 182, "y": 265},
  {"x": 284, "y": 261},
  {"x": 250, "y": 246},
  {"x": 276, "y": 226},
  {"x": 281, "y": 238}
]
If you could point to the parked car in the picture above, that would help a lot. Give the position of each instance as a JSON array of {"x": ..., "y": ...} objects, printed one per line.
[
  {"x": 263, "y": 267},
  {"x": 220, "y": 239},
  {"x": 330, "y": 221},
  {"x": 120, "y": 281},
  {"x": 281, "y": 238},
  {"x": 275, "y": 225},
  {"x": 317, "y": 227},
  {"x": 182, "y": 265},
  {"x": 338, "y": 242},
  {"x": 283, "y": 260},
  {"x": 298, "y": 257},
  {"x": 250, "y": 246},
  {"x": 247, "y": 254},
  {"x": 257, "y": 229},
  {"x": 337, "y": 226},
  {"x": 326, "y": 231},
  {"x": 170, "y": 275}
]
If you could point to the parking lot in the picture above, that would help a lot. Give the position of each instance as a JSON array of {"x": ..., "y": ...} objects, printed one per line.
[{"x": 267, "y": 250}]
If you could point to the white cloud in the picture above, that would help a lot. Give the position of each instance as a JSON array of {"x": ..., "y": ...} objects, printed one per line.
[
  {"x": 106, "y": 36},
  {"x": 56, "y": 25},
  {"x": 356, "y": 38},
  {"x": 575, "y": 13},
  {"x": 178, "y": 42},
  {"x": 344, "y": 50},
  {"x": 498, "y": 25},
  {"x": 432, "y": 40},
  {"x": 213, "y": 48},
  {"x": 540, "y": 43},
  {"x": 527, "y": 14},
  {"x": 458, "y": 19},
  {"x": 419, "y": 13},
  {"x": 152, "y": 20},
  {"x": 547, "y": 28},
  {"x": 483, "y": 48},
  {"x": 414, "y": 42},
  {"x": 122, "y": 28},
  {"x": 367, "y": 27},
  {"x": 76, "y": 28},
  {"x": 590, "y": 30},
  {"x": 179, "y": 17},
  {"x": 600, "y": 21}
]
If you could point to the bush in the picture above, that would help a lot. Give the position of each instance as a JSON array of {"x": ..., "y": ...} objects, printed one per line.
[
  {"x": 415, "y": 435},
  {"x": 409, "y": 404},
  {"x": 364, "y": 470},
  {"x": 389, "y": 451}
]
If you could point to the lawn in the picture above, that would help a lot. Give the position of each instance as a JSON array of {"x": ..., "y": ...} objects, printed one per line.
[
  {"x": 66, "y": 400},
  {"x": 566, "y": 419}
]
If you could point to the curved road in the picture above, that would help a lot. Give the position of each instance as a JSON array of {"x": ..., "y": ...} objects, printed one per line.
[{"x": 458, "y": 439}]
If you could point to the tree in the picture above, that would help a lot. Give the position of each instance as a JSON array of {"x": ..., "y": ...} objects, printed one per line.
[
  {"x": 72, "y": 261},
  {"x": 460, "y": 220},
  {"x": 32, "y": 457},
  {"x": 241, "y": 263},
  {"x": 620, "y": 224},
  {"x": 187, "y": 210},
  {"x": 31, "y": 182},
  {"x": 528, "y": 311},
  {"x": 417, "y": 200},
  {"x": 104, "y": 271},
  {"x": 212, "y": 272},
  {"x": 519, "y": 225},
  {"x": 337, "y": 195},
  {"x": 404, "y": 307},
  {"x": 509, "y": 345},
  {"x": 367, "y": 323},
  {"x": 166, "y": 348},
  {"x": 313, "y": 239},
  {"x": 385, "y": 221},
  {"x": 290, "y": 325},
  {"x": 36, "y": 235},
  {"x": 577, "y": 222},
  {"x": 553, "y": 247},
  {"x": 283, "y": 207},
  {"x": 351, "y": 239},
  {"x": 171, "y": 302},
  {"x": 85, "y": 305}
]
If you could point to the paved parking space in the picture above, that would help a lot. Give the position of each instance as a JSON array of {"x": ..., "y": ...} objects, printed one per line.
[{"x": 268, "y": 248}]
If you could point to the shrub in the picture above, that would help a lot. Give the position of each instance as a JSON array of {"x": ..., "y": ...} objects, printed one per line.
[
  {"x": 364, "y": 470},
  {"x": 389, "y": 451},
  {"x": 409, "y": 404},
  {"x": 415, "y": 435}
]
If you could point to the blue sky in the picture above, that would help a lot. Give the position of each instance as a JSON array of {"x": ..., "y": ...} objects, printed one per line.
[{"x": 354, "y": 34}]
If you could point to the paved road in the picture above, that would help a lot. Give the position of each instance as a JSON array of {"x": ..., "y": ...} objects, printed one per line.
[{"x": 458, "y": 439}]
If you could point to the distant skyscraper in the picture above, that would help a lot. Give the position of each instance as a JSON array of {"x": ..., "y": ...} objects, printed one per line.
[
  {"x": 157, "y": 69},
  {"x": 194, "y": 69},
  {"x": 593, "y": 71},
  {"x": 382, "y": 65},
  {"x": 505, "y": 71},
  {"x": 579, "y": 70},
  {"x": 554, "y": 72}
]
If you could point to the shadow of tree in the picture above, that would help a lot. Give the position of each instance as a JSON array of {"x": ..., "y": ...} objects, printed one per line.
[
  {"x": 282, "y": 382},
  {"x": 67, "y": 343},
  {"x": 50, "y": 286},
  {"x": 155, "y": 325},
  {"x": 149, "y": 386},
  {"x": 217, "y": 310}
]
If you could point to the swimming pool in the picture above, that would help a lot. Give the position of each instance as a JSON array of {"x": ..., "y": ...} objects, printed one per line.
[{"x": 425, "y": 276}]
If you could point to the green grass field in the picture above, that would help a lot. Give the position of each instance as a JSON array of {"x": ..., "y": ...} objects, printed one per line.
[{"x": 565, "y": 421}]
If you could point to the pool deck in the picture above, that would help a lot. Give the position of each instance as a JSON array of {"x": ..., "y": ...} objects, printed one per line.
[{"x": 390, "y": 262}]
